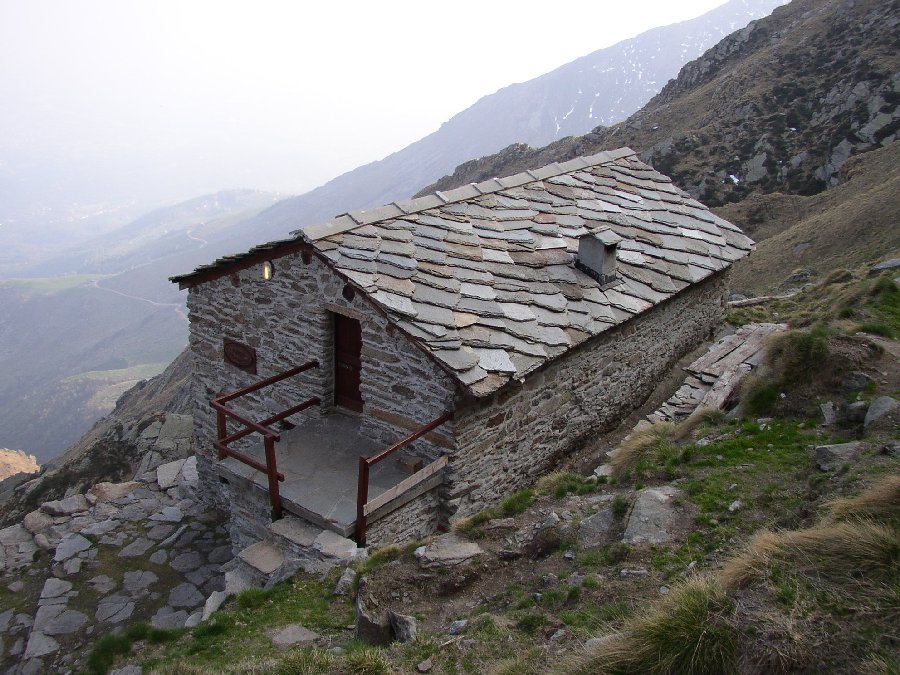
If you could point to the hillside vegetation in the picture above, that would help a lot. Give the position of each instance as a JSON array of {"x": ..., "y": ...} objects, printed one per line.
[{"x": 779, "y": 561}]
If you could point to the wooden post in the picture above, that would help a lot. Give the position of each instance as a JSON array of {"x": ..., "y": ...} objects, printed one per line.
[
  {"x": 222, "y": 429},
  {"x": 362, "y": 496},
  {"x": 274, "y": 493}
]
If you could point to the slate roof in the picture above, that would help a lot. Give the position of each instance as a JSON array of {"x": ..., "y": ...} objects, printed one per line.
[{"x": 484, "y": 278}]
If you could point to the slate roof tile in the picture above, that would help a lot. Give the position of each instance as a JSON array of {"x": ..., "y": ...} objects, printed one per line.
[{"x": 483, "y": 276}]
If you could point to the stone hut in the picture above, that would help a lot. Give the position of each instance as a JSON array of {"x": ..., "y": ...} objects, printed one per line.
[{"x": 494, "y": 327}]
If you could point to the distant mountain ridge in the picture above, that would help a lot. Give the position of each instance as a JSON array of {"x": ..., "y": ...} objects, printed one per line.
[
  {"x": 779, "y": 105},
  {"x": 559, "y": 103}
]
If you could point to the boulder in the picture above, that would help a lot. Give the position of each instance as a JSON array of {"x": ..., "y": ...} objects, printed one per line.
[
  {"x": 404, "y": 626},
  {"x": 107, "y": 492},
  {"x": 373, "y": 625},
  {"x": 597, "y": 530},
  {"x": 883, "y": 415},
  {"x": 833, "y": 457},
  {"x": 654, "y": 517},
  {"x": 66, "y": 507},
  {"x": 541, "y": 538},
  {"x": 37, "y": 521}
]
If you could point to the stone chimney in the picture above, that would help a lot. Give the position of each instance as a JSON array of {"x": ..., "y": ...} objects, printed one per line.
[{"x": 597, "y": 256}]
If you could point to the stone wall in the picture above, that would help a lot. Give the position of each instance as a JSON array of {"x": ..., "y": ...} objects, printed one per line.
[
  {"x": 512, "y": 438},
  {"x": 416, "y": 519},
  {"x": 289, "y": 320}
]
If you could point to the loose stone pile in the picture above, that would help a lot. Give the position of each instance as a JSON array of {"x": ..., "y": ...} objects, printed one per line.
[{"x": 90, "y": 563}]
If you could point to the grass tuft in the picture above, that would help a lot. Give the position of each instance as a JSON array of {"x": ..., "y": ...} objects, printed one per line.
[
  {"x": 690, "y": 631},
  {"x": 881, "y": 503}
]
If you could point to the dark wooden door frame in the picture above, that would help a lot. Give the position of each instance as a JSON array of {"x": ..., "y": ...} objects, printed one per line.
[{"x": 347, "y": 362}]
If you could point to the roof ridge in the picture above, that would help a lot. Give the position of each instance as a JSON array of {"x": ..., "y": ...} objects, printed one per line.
[{"x": 352, "y": 219}]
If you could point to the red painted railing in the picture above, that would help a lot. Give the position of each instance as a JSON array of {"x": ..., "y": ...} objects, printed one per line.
[
  {"x": 270, "y": 436},
  {"x": 365, "y": 463}
]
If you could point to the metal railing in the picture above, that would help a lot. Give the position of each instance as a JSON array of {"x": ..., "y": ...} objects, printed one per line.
[
  {"x": 363, "y": 506},
  {"x": 270, "y": 436}
]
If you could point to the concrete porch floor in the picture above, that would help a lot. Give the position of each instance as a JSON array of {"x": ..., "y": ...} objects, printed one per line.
[{"x": 320, "y": 462}]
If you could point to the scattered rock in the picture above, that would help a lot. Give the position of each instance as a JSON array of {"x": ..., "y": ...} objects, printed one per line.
[
  {"x": 220, "y": 555},
  {"x": 186, "y": 562},
  {"x": 653, "y": 517},
  {"x": 107, "y": 492},
  {"x": 459, "y": 627},
  {"x": 213, "y": 602},
  {"x": 70, "y": 545},
  {"x": 169, "y": 514},
  {"x": 168, "y": 618},
  {"x": 167, "y": 474},
  {"x": 66, "y": 623},
  {"x": 425, "y": 666},
  {"x": 735, "y": 505},
  {"x": 448, "y": 551},
  {"x": 136, "y": 581},
  {"x": 101, "y": 528},
  {"x": 855, "y": 412},
  {"x": 373, "y": 625},
  {"x": 633, "y": 573},
  {"x": 404, "y": 626},
  {"x": 66, "y": 507},
  {"x": 856, "y": 381},
  {"x": 829, "y": 413},
  {"x": 833, "y": 457},
  {"x": 186, "y": 595},
  {"x": 345, "y": 583},
  {"x": 53, "y": 588},
  {"x": 114, "y": 609},
  {"x": 159, "y": 557},
  {"x": 883, "y": 415},
  {"x": 892, "y": 264},
  {"x": 36, "y": 521},
  {"x": 40, "y": 645},
  {"x": 291, "y": 635},
  {"x": 136, "y": 548},
  {"x": 102, "y": 584},
  {"x": 540, "y": 539},
  {"x": 597, "y": 530}
]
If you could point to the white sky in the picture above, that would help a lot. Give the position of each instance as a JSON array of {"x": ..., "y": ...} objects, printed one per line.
[{"x": 274, "y": 95}]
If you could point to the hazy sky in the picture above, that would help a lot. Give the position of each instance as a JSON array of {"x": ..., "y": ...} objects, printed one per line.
[{"x": 206, "y": 95}]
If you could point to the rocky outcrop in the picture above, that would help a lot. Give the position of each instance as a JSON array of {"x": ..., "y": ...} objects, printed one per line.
[{"x": 62, "y": 565}]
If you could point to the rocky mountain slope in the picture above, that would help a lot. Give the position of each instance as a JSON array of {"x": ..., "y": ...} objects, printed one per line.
[
  {"x": 150, "y": 424},
  {"x": 778, "y": 106}
]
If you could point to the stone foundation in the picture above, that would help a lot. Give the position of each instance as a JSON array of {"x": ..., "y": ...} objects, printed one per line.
[{"x": 509, "y": 440}]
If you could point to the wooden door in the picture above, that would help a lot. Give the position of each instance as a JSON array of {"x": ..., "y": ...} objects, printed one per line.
[{"x": 347, "y": 362}]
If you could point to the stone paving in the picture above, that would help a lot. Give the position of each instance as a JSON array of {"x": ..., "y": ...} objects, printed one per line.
[{"x": 90, "y": 564}]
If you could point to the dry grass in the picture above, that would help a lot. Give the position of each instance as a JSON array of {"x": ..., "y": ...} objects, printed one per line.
[
  {"x": 765, "y": 610},
  {"x": 638, "y": 444},
  {"x": 880, "y": 502},
  {"x": 839, "y": 552},
  {"x": 691, "y": 630}
]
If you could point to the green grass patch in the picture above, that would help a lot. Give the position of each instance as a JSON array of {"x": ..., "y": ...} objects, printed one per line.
[
  {"x": 240, "y": 631},
  {"x": 517, "y": 502}
]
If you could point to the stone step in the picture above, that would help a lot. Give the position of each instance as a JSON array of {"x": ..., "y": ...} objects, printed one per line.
[
  {"x": 314, "y": 549},
  {"x": 263, "y": 557}
]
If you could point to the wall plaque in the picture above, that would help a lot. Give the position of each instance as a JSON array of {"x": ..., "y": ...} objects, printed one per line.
[{"x": 240, "y": 355}]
